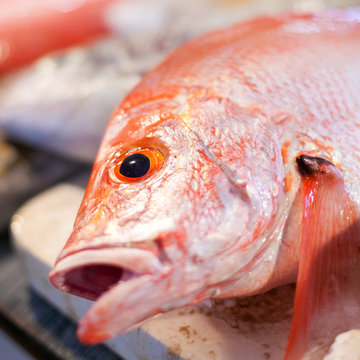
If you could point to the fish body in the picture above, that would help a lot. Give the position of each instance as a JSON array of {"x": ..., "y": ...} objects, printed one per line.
[{"x": 215, "y": 211}]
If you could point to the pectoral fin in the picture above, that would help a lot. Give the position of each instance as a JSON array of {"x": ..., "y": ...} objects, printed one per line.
[{"x": 327, "y": 291}]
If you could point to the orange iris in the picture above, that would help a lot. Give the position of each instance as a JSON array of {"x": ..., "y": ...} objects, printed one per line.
[{"x": 153, "y": 159}]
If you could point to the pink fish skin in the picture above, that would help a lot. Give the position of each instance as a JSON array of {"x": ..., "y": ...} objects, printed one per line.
[{"x": 213, "y": 207}]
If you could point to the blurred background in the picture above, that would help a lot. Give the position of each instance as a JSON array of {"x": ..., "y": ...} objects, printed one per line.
[{"x": 65, "y": 65}]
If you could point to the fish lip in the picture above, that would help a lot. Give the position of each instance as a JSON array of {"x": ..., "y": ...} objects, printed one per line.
[
  {"x": 95, "y": 327},
  {"x": 91, "y": 272},
  {"x": 126, "y": 305}
]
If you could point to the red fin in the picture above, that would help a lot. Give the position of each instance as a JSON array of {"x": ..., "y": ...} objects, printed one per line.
[{"x": 327, "y": 285}]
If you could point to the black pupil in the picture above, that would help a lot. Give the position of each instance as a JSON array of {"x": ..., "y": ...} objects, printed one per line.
[{"x": 135, "y": 165}]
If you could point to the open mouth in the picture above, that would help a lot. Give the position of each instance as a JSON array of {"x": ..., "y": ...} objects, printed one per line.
[
  {"x": 129, "y": 285},
  {"x": 91, "y": 281},
  {"x": 91, "y": 273}
]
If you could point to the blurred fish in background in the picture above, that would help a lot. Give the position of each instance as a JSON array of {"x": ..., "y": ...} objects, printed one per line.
[
  {"x": 30, "y": 28},
  {"x": 66, "y": 65}
]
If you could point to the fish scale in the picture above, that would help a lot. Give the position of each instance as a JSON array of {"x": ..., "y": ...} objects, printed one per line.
[{"x": 240, "y": 123}]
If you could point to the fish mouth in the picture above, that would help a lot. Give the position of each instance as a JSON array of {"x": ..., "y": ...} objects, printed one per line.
[
  {"x": 90, "y": 273},
  {"x": 129, "y": 285},
  {"x": 125, "y": 305}
]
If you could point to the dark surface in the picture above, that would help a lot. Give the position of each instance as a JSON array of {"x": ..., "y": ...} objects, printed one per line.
[
  {"x": 24, "y": 315},
  {"x": 28, "y": 173},
  {"x": 32, "y": 322},
  {"x": 310, "y": 165}
]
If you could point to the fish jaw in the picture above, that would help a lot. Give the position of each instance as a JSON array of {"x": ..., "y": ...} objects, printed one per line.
[
  {"x": 128, "y": 282},
  {"x": 126, "y": 305},
  {"x": 98, "y": 324}
]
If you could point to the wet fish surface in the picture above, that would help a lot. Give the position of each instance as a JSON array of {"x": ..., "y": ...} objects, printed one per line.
[{"x": 197, "y": 190}]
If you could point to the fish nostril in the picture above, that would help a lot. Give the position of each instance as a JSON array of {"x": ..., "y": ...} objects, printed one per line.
[{"x": 91, "y": 281}]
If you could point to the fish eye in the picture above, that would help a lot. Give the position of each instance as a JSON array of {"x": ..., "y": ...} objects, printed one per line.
[{"x": 137, "y": 164}]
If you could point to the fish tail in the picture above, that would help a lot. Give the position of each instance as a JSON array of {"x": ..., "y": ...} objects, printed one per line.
[{"x": 326, "y": 284}]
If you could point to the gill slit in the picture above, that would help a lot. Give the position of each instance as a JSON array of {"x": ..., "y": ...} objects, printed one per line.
[
  {"x": 260, "y": 248},
  {"x": 238, "y": 185}
]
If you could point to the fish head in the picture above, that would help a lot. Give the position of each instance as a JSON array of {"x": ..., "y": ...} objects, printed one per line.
[{"x": 160, "y": 222}]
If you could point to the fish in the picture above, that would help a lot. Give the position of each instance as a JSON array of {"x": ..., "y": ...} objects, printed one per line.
[
  {"x": 34, "y": 28},
  {"x": 203, "y": 182}
]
